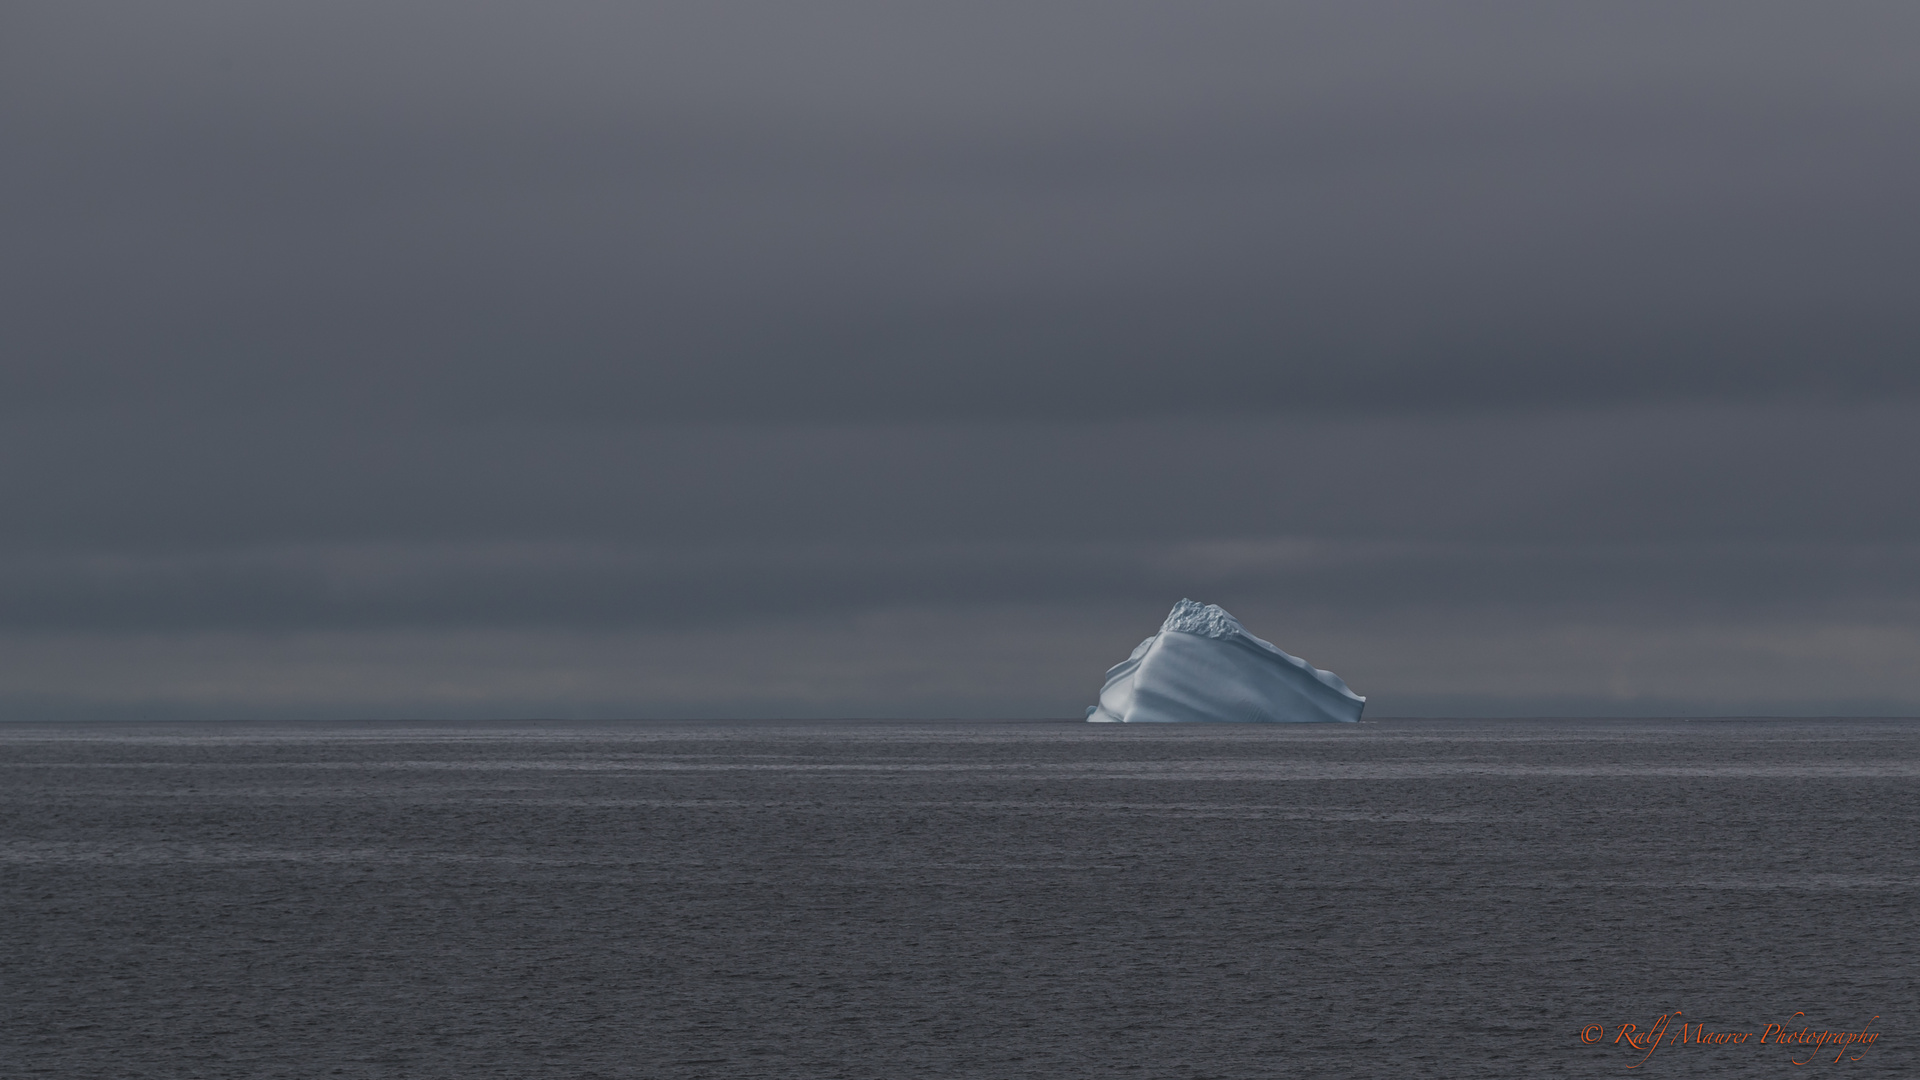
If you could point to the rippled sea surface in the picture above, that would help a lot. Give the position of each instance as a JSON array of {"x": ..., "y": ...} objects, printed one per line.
[{"x": 882, "y": 900}]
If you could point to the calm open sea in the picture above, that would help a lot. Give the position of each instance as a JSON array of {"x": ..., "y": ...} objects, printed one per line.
[{"x": 885, "y": 900}]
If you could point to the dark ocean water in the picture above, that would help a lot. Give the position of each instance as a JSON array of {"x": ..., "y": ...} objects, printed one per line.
[{"x": 882, "y": 900}]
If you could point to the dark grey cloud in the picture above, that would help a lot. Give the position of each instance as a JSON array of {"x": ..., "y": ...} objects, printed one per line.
[
  {"x": 761, "y": 212},
  {"x": 348, "y": 341},
  {"x": 1672, "y": 473},
  {"x": 530, "y": 587},
  {"x": 223, "y": 528}
]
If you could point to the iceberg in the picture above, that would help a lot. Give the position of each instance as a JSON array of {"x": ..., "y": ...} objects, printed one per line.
[{"x": 1204, "y": 666}]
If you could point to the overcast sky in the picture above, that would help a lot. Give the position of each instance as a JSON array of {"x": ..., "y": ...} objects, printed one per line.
[{"x": 411, "y": 358}]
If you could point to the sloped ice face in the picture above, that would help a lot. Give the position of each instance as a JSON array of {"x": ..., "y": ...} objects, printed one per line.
[{"x": 1204, "y": 666}]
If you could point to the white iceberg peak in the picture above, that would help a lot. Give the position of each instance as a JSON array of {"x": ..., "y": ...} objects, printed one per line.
[
  {"x": 1207, "y": 620},
  {"x": 1204, "y": 666}
]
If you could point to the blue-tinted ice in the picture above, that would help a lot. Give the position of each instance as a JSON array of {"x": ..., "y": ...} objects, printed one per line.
[{"x": 1204, "y": 666}]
